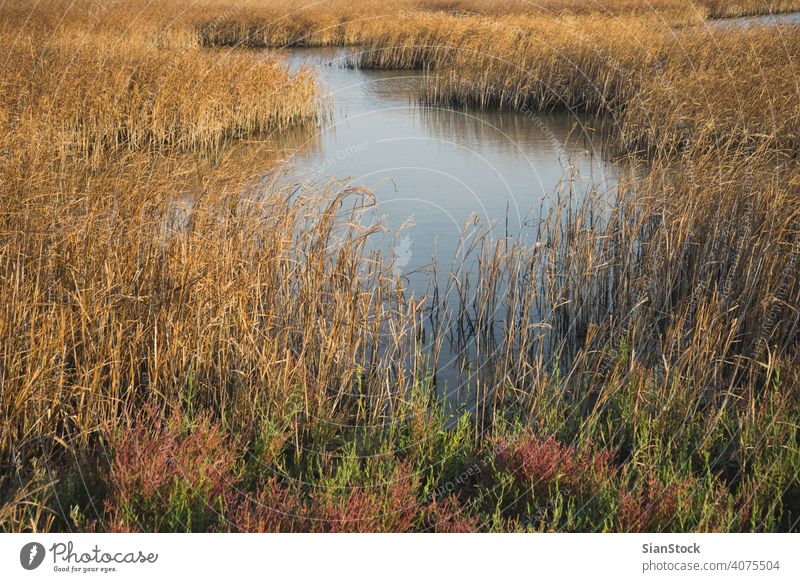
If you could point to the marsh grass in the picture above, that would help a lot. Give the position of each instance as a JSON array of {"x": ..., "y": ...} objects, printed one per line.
[
  {"x": 738, "y": 8},
  {"x": 104, "y": 100},
  {"x": 199, "y": 350},
  {"x": 662, "y": 89},
  {"x": 289, "y": 338}
]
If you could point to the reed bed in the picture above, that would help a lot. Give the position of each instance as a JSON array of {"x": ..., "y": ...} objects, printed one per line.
[
  {"x": 534, "y": 63},
  {"x": 720, "y": 89},
  {"x": 738, "y": 8},
  {"x": 663, "y": 89},
  {"x": 348, "y": 24},
  {"x": 258, "y": 24},
  {"x": 674, "y": 10},
  {"x": 102, "y": 329},
  {"x": 659, "y": 337},
  {"x": 188, "y": 347},
  {"x": 98, "y": 99}
]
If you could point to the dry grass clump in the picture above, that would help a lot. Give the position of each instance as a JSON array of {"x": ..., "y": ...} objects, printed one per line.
[
  {"x": 734, "y": 8},
  {"x": 90, "y": 99},
  {"x": 719, "y": 88},
  {"x": 356, "y": 25},
  {"x": 127, "y": 284},
  {"x": 308, "y": 23},
  {"x": 352, "y": 23},
  {"x": 663, "y": 89},
  {"x": 255, "y": 27},
  {"x": 685, "y": 290},
  {"x": 677, "y": 309},
  {"x": 138, "y": 23},
  {"x": 571, "y": 62},
  {"x": 676, "y": 11},
  {"x": 136, "y": 285}
]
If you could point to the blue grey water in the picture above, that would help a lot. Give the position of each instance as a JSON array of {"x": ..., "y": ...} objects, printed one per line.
[
  {"x": 789, "y": 18},
  {"x": 434, "y": 170}
]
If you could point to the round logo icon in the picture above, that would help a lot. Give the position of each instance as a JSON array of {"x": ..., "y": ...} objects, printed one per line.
[{"x": 31, "y": 555}]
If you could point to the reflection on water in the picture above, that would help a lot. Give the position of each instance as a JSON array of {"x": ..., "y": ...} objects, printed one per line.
[
  {"x": 433, "y": 170},
  {"x": 765, "y": 20}
]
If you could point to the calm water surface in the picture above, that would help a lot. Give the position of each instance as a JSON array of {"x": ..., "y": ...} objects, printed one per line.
[
  {"x": 431, "y": 169},
  {"x": 434, "y": 169},
  {"x": 792, "y": 18}
]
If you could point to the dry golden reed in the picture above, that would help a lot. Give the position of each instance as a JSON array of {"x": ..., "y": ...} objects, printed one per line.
[
  {"x": 663, "y": 89},
  {"x": 97, "y": 99},
  {"x": 662, "y": 329}
]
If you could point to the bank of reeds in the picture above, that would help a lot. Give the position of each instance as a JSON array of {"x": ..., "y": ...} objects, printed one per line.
[
  {"x": 724, "y": 90},
  {"x": 660, "y": 334},
  {"x": 213, "y": 353},
  {"x": 88, "y": 99},
  {"x": 663, "y": 89},
  {"x": 738, "y": 8}
]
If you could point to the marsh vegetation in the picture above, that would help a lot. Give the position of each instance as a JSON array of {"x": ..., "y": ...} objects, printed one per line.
[{"x": 186, "y": 346}]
